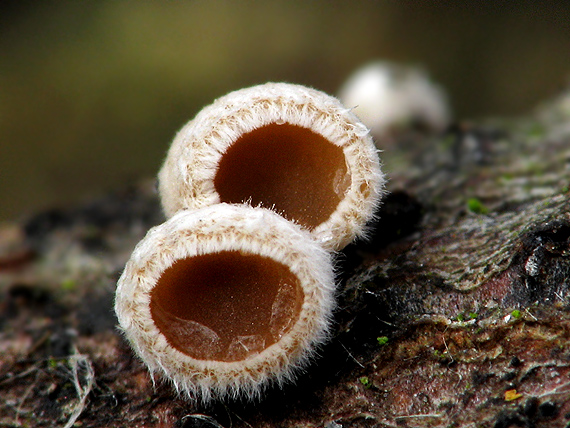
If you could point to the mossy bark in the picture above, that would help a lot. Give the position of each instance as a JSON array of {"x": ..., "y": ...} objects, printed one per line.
[{"x": 455, "y": 313}]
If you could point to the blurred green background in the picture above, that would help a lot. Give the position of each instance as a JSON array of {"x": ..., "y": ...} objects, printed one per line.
[{"x": 92, "y": 92}]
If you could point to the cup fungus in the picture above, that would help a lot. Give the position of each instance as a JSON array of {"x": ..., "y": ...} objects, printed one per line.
[
  {"x": 390, "y": 98},
  {"x": 225, "y": 299},
  {"x": 284, "y": 147}
]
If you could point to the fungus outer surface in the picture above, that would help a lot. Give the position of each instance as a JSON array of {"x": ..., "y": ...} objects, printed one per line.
[
  {"x": 225, "y": 299},
  {"x": 290, "y": 169},
  {"x": 284, "y": 147},
  {"x": 225, "y": 306}
]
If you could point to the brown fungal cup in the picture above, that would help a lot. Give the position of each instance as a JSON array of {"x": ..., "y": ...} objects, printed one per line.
[
  {"x": 284, "y": 147},
  {"x": 196, "y": 296},
  {"x": 225, "y": 299}
]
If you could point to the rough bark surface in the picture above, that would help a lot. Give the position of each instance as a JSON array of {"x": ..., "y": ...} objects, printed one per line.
[{"x": 454, "y": 314}]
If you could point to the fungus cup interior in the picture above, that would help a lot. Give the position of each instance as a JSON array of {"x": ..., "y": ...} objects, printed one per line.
[
  {"x": 225, "y": 306},
  {"x": 288, "y": 168}
]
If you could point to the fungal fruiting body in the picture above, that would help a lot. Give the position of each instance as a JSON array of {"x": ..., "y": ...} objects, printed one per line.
[
  {"x": 225, "y": 299},
  {"x": 389, "y": 97},
  {"x": 236, "y": 289},
  {"x": 285, "y": 147}
]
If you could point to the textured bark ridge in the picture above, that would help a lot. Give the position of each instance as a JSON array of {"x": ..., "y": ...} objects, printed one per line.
[{"x": 454, "y": 314}]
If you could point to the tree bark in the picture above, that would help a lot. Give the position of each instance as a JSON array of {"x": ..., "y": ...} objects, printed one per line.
[{"x": 455, "y": 313}]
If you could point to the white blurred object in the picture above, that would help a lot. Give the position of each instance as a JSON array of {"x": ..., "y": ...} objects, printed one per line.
[{"x": 389, "y": 98}]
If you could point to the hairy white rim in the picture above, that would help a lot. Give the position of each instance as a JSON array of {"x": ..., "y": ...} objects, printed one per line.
[
  {"x": 313, "y": 161},
  {"x": 237, "y": 230}
]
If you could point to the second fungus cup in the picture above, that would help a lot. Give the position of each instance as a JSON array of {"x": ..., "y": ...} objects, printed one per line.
[
  {"x": 226, "y": 299},
  {"x": 284, "y": 147}
]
